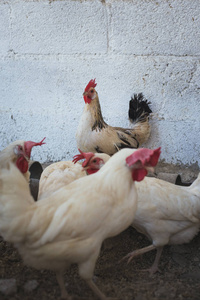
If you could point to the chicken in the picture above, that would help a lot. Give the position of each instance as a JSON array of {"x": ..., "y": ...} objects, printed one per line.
[
  {"x": 70, "y": 225},
  {"x": 167, "y": 214},
  {"x": 19, "y": 152},
  {"x": 94, "y": 135},
  {"x": 93, "y": 161},
  {"x": 62, "y": 173}
]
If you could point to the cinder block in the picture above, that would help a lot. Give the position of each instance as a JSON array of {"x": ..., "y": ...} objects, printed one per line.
[
  {"x": 5, "y": 27},
  {"x": 178, "y": 141},
  {"x": 59, "y": 27},
  {"x": 155, "y": 27}
]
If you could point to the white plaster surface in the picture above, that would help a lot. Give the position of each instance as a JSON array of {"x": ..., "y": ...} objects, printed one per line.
[{"x": 51, "y": 49}]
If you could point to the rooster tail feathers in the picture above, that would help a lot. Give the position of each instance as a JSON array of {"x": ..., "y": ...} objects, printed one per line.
[{"x": 139, "y": 109}]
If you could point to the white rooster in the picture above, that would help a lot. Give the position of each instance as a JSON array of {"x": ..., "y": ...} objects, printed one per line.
[{"x": 70, "y": 225}]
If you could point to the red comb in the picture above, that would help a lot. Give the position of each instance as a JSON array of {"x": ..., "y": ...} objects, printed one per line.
[
  {"x": 83, "y": 155},
  {"x": 90, "y": 84},
  {"x": 145, "y": 156},
  {"x": 29, "y": 145}
]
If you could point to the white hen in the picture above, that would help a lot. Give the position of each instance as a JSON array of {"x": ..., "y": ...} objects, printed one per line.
[
  {"x": 61, "y": 173},
  {"x": 166, "y": 214},
  {"x": 70, "y": 225}
]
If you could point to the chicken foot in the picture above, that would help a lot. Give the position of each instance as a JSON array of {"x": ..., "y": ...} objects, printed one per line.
[
  {"x": 97, "y": 291},
  {"x": 60, "y": 279},
  {"x": 154, "y": 268}
]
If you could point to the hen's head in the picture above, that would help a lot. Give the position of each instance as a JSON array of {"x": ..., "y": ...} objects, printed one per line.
[
  {"x": 92, "y": 161},
  {"x": 141, "y": 161},
  {"x": 90, "y": 92},
  {"x": 19, "y": 152}
]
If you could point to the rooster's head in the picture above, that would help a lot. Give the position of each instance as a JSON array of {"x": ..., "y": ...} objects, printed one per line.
[{"x": 90, "y": 92}]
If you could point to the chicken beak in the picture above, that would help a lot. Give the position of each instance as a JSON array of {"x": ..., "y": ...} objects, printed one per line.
[
  {"x": 150, "y": 169},
  {"x": 86, "y": 167},
  {"x": 85, "y": 93}
]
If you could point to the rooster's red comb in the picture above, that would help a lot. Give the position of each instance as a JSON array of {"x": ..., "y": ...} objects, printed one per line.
[
  {"x": 29, "y": 145},
  {"x": 91, "y": 83},
  {"x": 83, "y": 155},
  {"x": 146, "y": 156}
]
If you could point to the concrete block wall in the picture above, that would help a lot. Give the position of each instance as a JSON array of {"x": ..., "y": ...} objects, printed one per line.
[{"x": 51, "y": 49}]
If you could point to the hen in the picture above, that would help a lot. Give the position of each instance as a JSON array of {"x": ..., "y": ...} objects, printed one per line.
[
  {"x": 62, "y": 173},
  {"x": 70, "y": 225},
  {"x": 19, "y": 153},
  {"x": 166, "y": 214},
  {"x": 95, "y": 135}
]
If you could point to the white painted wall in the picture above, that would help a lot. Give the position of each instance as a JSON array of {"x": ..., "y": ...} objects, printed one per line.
[{"x": 51, "y": 49}]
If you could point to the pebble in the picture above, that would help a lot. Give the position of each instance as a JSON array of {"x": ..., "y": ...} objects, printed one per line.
[
  {"x": 196, "y": 259},
  {"x": 163, "y": 291},
  {"x": 8, "y": 286},
  {"x": 30, "y": 285}
]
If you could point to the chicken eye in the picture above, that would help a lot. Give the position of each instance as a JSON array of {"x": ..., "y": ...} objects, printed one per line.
[
  {"x": 20, "y": 148},
  {"x": 92, "y": 91},
  {"x": 94, "y": 161}
]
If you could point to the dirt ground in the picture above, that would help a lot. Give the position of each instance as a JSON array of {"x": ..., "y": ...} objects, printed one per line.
[{"x": 179, "y": 278}]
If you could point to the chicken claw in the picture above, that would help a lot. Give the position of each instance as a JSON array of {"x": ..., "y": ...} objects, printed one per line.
[
  {"x": 138, "y": 252},
  {"x": 154, "y": 268}
]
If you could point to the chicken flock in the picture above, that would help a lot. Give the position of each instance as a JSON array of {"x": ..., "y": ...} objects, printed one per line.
[{"x": 80, "y": 204}]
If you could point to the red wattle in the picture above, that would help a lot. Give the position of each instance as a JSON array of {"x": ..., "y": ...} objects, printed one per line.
[
  {"x": 139, "y": 174},
  {"x": 87, "y": 99},
  {"x": 91, "y": 171},
  {"x": 22, "y": 164}
]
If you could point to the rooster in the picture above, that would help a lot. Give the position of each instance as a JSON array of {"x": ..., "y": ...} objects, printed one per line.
[
  {"x": 70, "y": 225},
  {"x": 62, "y": 173},
  {"x": 19, "y": 152},
  {"x": 95, "y": 135}
]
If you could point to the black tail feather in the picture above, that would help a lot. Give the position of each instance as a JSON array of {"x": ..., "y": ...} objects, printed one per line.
[{"x": 139, "y": 108}]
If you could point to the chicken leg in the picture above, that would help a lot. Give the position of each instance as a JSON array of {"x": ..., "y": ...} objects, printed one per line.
[
  {"x": 154, "y": 268},
  {"x": 60, "y": 279},
  {"x": 97, "y": 292}
]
